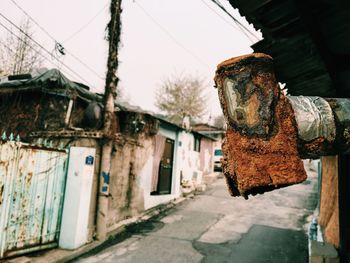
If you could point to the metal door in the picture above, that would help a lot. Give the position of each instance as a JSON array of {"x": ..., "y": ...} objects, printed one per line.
[
  {"x": 166, "y": 168},
  {"x": 32, "y": 180}
]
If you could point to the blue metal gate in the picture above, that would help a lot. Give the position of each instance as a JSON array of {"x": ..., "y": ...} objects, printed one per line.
[{"x": 32, "y": 182}]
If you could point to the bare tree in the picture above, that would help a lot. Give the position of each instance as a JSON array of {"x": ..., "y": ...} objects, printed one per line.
[
  {"x": 16, "y": 53},
  {"x": 181, "y": 96}
]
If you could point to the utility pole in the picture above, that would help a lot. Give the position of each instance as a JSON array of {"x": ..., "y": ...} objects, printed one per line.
[{"x": 110, "y": 121}]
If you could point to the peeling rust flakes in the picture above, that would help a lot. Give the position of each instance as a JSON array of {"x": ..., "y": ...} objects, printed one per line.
[{"x": 260, "y": 148}]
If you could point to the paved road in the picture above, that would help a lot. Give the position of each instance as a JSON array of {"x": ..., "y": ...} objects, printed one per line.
[{"x": 214, "y": 227}]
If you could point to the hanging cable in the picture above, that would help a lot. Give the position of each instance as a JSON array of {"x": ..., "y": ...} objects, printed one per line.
[
  {"x": 231, "y": 24},
  {"x": 235, "y": 19},
  {"x": 39, "y": 45},
  {"x": 37, "y": 51},
  {"x": 33, "y": 20},
  {"x": 58, "y": 46},
  {"x": 172, "y": 37},
  {"x": 85, "y": 25},
  {"x": 238, "y": 23}
]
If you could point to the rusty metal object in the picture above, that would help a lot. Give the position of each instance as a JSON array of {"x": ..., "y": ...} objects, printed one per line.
[
  {"x": 268, "y": 133},
  {"x": 32, "y": 183},
  {"x": 316, "y": 126},
  {"x": 260, "y": 148},
  {"x": 341, "y": 113},
  {"x": 323, "y": 125}
]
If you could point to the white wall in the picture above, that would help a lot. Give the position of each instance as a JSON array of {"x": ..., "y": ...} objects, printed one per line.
[
  {"x": 146, "y": 174},
  {"x": 75, "y": 215},
  {"x": 188, "y": 159},
  {"x": 186, "y": 162}
]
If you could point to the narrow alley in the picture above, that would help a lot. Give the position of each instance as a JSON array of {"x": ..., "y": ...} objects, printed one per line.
[{"x": 214, "y": 227}]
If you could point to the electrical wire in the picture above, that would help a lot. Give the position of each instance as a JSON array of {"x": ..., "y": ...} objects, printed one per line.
[
  {"x": 39, "y": 45},
  {"x": 222, "y": 18},
  {"x": 234, "y": 19},
  {"x": 171, "y": 36},
  {"x": 61, "y": 49},
  {"x": 217, "y": 2},
  {"x": 85, "y": 25},
  {"x": 34, "y": 21},
  {"x": 38, "y": 52}
]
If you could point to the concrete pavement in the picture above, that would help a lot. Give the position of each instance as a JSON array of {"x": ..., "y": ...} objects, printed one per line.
[{"x": 214, "y": 227}]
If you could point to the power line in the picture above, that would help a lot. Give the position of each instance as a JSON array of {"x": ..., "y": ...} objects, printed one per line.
[
  {"x": 234, "y": 19},
  {"x": 31, "y": 47},
  {"x": 83, "y": 63},
  {"x": 172, "y": 37},
  {"x": 61, "y": 49},
  {"x": 34, "y": 21},
  {"x": 85, "y": 25},
  {"x": 217, "y": 2},
  {"x": 38, "y": 44},
  {"x": 222, "y": 18},
  {"x": 20, "y": 39}
]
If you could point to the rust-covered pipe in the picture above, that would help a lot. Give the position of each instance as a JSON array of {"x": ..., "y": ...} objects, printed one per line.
[
  {"x": 268, "y": 133},
  {"x": 323, "y": 125}
]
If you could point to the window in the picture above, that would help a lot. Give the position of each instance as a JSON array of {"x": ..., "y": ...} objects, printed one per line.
[
  {"x": 218, "y": 152},
  {"x": 197, "y": 144}
]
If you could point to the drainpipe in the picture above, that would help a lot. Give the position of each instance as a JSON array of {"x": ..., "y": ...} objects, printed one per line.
[
  {"x": 110, "y": 121},
  {"x": 268, "y": 133}
]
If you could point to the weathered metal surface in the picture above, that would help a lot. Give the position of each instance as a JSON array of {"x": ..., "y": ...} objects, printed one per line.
[
  {"x": 33, "y": 181},
  {"x": 260, "y": 148},
  {"x": 269, "y": 132},
  {"x": 8, "y": 156},
  {"x": 323, "y": 125},
  {"x": 341, "y": 111},
  {"x": 314, "y": 117},
  {"x": 249, "y": 110}
]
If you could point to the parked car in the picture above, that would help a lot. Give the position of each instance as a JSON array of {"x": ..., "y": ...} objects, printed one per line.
[{"x": 217, "y": 159}]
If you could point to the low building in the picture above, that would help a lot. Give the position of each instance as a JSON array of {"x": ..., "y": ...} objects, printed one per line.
[{"x": 153, "y": 161}]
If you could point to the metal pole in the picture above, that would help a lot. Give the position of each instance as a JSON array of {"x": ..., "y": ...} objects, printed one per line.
[{"x": 323, "y": 125}]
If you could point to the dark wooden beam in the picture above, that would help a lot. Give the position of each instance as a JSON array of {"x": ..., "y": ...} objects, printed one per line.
[
  {"x": 344, "y": 207},
  {"x": 310, "y": 12}
]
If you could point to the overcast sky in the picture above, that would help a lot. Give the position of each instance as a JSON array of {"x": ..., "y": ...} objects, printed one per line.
[{"x": 159, "y": 38}]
